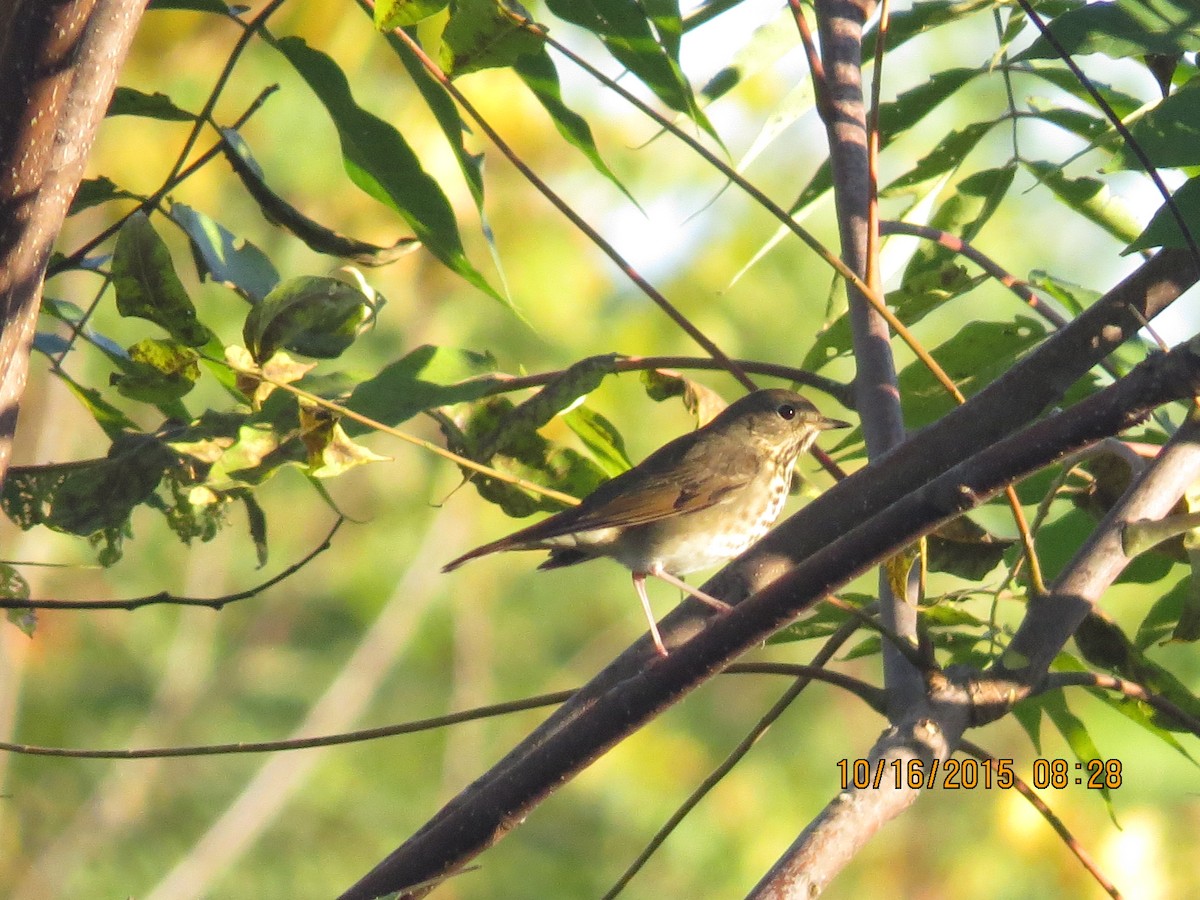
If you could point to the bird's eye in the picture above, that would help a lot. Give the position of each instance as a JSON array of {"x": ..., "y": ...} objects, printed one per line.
[{"x": 786, "y": 411}]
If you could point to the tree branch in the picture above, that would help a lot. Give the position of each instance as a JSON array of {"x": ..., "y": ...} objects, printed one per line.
[{"x": 58, "y": 69}]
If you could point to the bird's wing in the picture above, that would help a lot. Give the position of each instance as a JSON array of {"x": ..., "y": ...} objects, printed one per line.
[
  {"x": 669, "y": 482},
  {"x": 666, "y": 486}
]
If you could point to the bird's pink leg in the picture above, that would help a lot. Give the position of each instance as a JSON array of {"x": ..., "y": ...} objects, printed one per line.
[
  {"x": 718, "y": 605},
  {"x": 639, "y": 583}
]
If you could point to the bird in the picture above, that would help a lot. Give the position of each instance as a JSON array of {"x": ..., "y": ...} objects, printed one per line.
[{"x": 698, "y": 501}]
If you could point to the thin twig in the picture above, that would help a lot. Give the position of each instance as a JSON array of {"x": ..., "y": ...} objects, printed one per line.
[
  {"x": 326, "y": 740},
  {"x": 1048, "y": 814},
  {"x": 165, "y": 597}
]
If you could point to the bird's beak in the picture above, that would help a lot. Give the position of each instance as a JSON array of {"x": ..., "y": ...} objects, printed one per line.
[{"x": 826, "y": 424}]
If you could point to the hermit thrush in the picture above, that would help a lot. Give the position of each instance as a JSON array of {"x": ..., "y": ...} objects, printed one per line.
[{"x": 695, "y": 502}]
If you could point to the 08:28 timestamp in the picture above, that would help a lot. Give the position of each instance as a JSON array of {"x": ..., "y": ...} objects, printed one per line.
[{"x": 970, "y": 774}]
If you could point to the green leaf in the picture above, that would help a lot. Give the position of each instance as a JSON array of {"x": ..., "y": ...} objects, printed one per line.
[
  {"x": 924, "y": 17},
  {"x": 1124, "y": 28},
  {"x": 331, "y": 452},
  {"x": 1105, "y": 646},
  {"x": 945, "y": 157},
  {"x": 127, "y": 101},
  {"x": 541, "y": 77},
  {"x": 1072, "y": 728},
  {"x": 256, "y": 520},
  {"x": 1169, "y": 133},
  {"x": 147, "y": 286},
  {"x": 1163, "y": 230},
  {"x": 1090, "y": 197},
  {"x": 1075, "y": 298},
  {"x": 928, "y": 288},
  {"x": 391, "y": 14},
  {"x": 963, "y": 548},
  {"x": 224, "y": 257},
  {"x": 427, "y": 377},
  {"x": 111, "y": 420},
  {"x": 445, "y": 110},
  {"x": 480, "y": 35},
  {"x": 1123, "y": 104},
  {"x": 381, "y": 163},
  {"x": 913, "y": 105},
  {"x": 975, "y": 356},
  {"x": 159, "y": 371},
  {"x": 1075, "y": 121},
  {"x": 601, "y": 437},
  {"x": 700, "y": 400},
  {"x": 1028, "y": 714},
  {"x": 312, "y": 315},
  {"x": 628, "y": 35}
]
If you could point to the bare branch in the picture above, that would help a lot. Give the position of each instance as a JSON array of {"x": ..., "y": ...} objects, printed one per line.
[{"x": 173, "y": 600}]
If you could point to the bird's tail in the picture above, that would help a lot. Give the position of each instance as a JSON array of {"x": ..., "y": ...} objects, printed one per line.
[{"x": 502, "y": 544}]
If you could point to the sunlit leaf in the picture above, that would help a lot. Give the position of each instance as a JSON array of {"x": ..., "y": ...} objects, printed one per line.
[
  {"x": 13, "y": 586},
  {"x": 565, "y": 389},
  {"x": 481, "y": 36},
  {"x": 331, "y": 452},
  {"x": 701, "y": 401},
  {"x": 1089, "y": 197},
  {"x": 111, "y": 420},
  {"x": 1169, "y": 134},
  {"x": 914, "y": 104},
  {"x": 971, "y": 203},
  {"x": 540, "y": 76},
  {"x": 87, "y": 497},
  {"x": 628, "y": 35},
  {"x": 945, "y": 157},
  {"x": 1163, "y": 230},
  {"x": 391, "y": 14},
  {"x": 94, "y": 191},
  {"x": 525, "y": 454},
  {"x": 601, "y": 437},
  {"x": 973, "y": 357}
]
